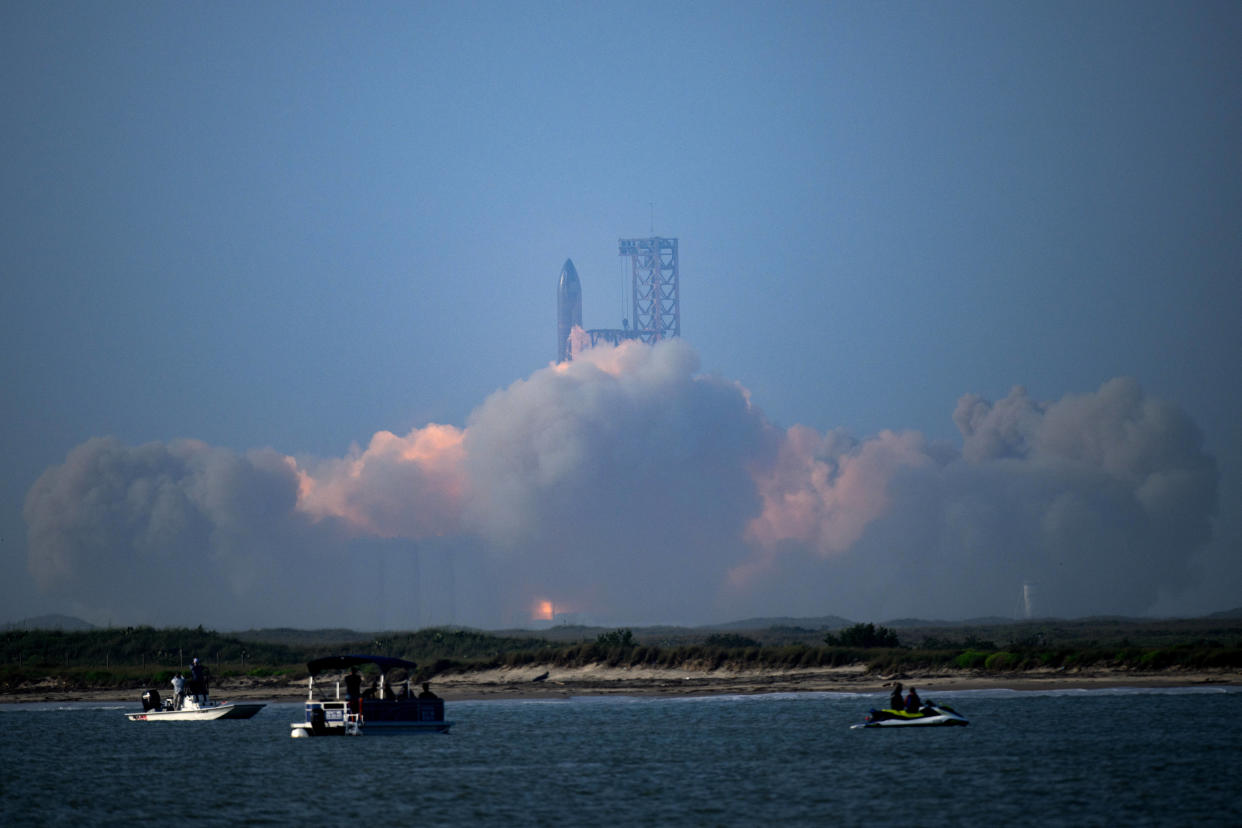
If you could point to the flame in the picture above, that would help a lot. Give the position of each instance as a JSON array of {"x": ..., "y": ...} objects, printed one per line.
[{"x": 543, "y": 611}]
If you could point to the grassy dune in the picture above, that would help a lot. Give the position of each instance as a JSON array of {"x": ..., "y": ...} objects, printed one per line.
[{"x": 139, "y": 656}]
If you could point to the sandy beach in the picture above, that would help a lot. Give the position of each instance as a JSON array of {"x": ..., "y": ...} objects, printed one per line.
[{"x": 548, "y": 682}]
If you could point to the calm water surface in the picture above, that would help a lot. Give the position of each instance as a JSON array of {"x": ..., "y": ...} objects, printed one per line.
[{"x": 1072, "y": 758}]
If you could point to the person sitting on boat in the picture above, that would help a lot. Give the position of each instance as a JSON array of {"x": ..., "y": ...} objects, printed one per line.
[
  {"x": 372, "y": 692},
  {"x": 427, "y": 694},
  {"x": 353, "y": 690},
  {"x": 894, "y": 700},
  {"x": 913, "y": 702},
  {"x": 178, "y": 683}
]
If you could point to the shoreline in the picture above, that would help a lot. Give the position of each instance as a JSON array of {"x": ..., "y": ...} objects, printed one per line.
[{"x": 546, "y": 682}]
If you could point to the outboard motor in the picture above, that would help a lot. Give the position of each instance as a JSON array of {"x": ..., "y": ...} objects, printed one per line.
[{"x": 150, "y": 700}]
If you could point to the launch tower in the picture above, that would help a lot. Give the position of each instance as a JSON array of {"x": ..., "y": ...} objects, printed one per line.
[
  {"x": 655, "y": 297},
  {"x": 656, "y": 287}
]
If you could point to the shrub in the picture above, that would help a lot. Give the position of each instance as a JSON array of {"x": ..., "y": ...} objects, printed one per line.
[
  {"x": 1156, "y": 659},
  {"x": 863, "y": 635},
  {"x": 645, "y": 655},
  {"x": 1077, "y": 658},
  {"x": 788, "y": 656},
  {"x": 616, "y": 638},
  {"x": 1221, "y": 657},
  {"x": 1001, "y": 661},
  {"x": 1051, "y": 659},
  {"x": 730, "y": 640},
  {"x": 519, "y": 658},
  {"x": 971, "y": 660}
]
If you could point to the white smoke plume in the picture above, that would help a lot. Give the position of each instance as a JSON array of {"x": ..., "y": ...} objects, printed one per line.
[
  {"x": 409, "y": 487},
  {"x": 627, "y": 488},
  {"x": 1098, "y": 499},
  {"x": 174, "y": 529}
]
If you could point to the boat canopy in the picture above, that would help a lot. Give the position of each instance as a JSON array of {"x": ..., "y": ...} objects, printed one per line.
[{"x": 344, "y": 662}]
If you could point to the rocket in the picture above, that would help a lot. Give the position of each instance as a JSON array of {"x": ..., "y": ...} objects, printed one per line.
[{"x": 568, "y": 309}]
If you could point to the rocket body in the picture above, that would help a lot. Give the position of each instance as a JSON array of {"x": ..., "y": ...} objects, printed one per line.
[{"x": 568, "y": 309}]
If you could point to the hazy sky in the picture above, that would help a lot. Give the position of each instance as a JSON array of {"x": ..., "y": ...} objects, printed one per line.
[{"x": 960, "y": 310}]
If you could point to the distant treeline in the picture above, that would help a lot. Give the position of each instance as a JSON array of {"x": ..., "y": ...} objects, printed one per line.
[
  {"x": 879, "y": 649},
  {"x": 135, "y": 656},
  {"x": 138, "y": 655}
]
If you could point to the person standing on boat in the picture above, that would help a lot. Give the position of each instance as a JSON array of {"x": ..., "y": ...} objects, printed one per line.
[
  {"x": 353, "y": 690},
  {"x": 427, "y": 694},
  {"x": 178, "y": 684},
  {"x": 894, "y": 700},
  {"x": 198, "y": 682}
]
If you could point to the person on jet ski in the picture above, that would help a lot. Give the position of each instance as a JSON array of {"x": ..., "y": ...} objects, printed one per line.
[
  {"x": 894, "y": 701},
  {"x": 913, "y": 702}
]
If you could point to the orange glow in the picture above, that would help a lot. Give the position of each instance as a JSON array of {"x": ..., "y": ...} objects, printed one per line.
[
  {"x": 614, "y": 360},
  {"x": 427, "y": 465},
  {"x": 544, "y": 611},
  {"x": 822, "y": 494}
]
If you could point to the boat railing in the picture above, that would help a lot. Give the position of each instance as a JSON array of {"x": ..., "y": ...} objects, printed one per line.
[
  {"x": 388, "y": 701},
  {"x": 324, "y": 716}
]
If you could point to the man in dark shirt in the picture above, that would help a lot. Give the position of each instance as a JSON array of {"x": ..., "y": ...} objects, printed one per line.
[
  {"x": 198, "y": 682},
  {"x": 353, "y": 690}
]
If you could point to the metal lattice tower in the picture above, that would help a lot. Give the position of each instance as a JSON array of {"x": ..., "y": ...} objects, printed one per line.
[{"x": 656, "y": 287}]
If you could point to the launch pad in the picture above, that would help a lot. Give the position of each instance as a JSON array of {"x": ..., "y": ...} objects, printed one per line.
[{"x": 655, "y": 298}]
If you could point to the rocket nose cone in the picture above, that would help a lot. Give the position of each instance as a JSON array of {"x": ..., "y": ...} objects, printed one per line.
[{"x": 568, "y": 283}]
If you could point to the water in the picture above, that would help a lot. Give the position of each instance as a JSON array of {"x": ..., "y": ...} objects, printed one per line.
[{"x": 1074, "y": 758}]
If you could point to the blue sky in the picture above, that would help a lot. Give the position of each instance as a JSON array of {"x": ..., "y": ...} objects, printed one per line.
[{"x": 291, "y": 226}]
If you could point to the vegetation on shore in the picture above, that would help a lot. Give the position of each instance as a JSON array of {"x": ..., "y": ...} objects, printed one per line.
[{"x": 139, "y": 656}]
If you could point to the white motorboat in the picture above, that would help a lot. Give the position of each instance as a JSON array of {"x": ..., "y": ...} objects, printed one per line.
[{"x": 191, "y": 709}]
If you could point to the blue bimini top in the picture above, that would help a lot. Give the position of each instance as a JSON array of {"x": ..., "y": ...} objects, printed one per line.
[{"x": 344, "y": 662}]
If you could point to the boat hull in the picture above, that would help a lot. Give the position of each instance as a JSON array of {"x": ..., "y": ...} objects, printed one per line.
[
  {"x": 931, "y": 716},
  {"x": 300, "y": 730},
  {"x": 201, "y": 714},
  {"x": 406, "y": 727}
]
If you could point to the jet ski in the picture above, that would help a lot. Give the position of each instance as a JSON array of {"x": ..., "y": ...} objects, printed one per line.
[{"x": 930, "y": 714}]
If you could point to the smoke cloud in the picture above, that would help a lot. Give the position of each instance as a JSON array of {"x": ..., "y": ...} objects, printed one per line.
[
  {"x": 173, "y": 529},
  {"x": 1096, "y": 502},
  {"x": 625, "y": 487}
]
